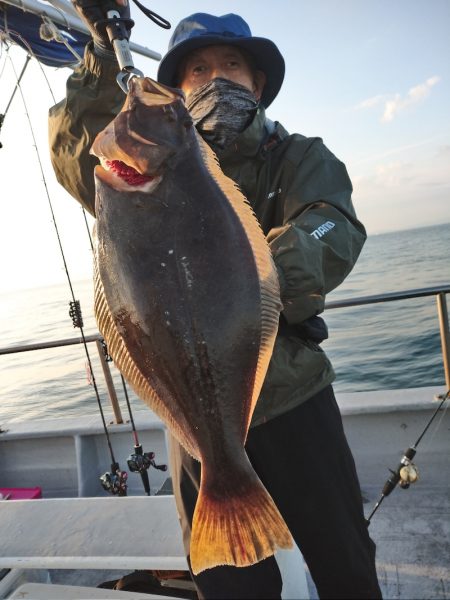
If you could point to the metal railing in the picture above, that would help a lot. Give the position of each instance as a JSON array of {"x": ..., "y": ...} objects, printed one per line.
[{"x": 439, "y": 292}]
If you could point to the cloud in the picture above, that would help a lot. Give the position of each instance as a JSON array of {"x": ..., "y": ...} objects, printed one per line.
[
  {"x": 403, "y": 194},
  {"x": 370, "y": 102},
  {"x": 442, "y": 150},
  {"x": 395, "y": 103}
]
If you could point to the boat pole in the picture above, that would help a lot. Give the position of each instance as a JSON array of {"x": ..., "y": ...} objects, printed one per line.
[
  {"x": 445, "y": 335},
  {"x": 109, "y": 383},
  {"x": 68, "y": 20}
]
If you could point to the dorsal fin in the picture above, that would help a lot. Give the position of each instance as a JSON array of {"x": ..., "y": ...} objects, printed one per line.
[{"x": 268, "y": 278}]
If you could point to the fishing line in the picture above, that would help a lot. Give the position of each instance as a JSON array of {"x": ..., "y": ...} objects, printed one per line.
[
  {"x": 32, "y": 53},
  {"x": 75, "y": 309},
  {"x": 3, "y": 42},
  {"x": 138, "y": 461},
  {"x": 437, "y": 426},
  {"x": 3, "y": 115}
]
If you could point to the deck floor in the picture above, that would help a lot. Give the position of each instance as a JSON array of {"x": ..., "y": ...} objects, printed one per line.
[{"x": 412, "y": 533}]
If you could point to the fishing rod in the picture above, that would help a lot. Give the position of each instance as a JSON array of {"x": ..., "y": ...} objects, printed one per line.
[
  {"x": 138, "y": 461},
  {"x": 114, "y": 482},
  {"x": 406, "y": 472}
]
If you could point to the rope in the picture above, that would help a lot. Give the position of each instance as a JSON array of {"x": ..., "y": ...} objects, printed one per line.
[{"x": 49, "y": 32}]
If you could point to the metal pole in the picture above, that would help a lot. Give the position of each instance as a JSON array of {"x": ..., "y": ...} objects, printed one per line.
[
  {"x": 19, "y": 79},
  {"x": 71, "y": 22},
  {"x": 445, "y": 335},
  {"x": 109, "y": 384}
]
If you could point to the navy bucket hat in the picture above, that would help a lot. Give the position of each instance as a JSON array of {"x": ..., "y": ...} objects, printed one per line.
[{"x": 201, "y": 29}]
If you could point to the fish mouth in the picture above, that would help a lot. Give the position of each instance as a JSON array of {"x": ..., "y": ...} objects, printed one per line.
[{"x": 125, "y": 178}]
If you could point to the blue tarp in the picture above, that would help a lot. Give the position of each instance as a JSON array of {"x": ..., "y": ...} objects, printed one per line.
[{"x": 23, "y": 28}]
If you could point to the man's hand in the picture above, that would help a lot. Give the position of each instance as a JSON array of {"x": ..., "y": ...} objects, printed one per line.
[{"x": 93, "y": 12}]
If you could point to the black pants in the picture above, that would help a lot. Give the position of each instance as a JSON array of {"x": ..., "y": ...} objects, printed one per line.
[{"x": 303, "y": 459}]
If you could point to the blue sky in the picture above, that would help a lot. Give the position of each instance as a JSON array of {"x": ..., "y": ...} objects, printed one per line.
[{"x": 369, "y": 77}]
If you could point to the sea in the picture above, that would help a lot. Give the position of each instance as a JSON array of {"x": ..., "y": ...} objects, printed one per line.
[{"x": 394, "y": 345}]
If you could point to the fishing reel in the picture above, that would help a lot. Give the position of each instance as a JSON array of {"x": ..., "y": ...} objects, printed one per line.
[
  {"x": 408, "y": 474},
  {"x": 115, "y": 482},
  {"x": 141, "y": 461},
  {"x": 405, "y": 474}
]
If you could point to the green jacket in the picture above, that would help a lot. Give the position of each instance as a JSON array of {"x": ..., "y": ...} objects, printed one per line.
[{"x": 299, "y": 190}]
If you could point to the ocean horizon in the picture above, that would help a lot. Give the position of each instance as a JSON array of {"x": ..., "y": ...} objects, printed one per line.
[{"x": 392, "y": 345}]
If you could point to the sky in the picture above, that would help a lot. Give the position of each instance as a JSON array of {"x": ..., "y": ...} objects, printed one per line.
[{"x": 372, "y": 78}]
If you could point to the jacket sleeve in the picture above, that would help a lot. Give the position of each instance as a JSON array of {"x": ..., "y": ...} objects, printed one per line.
[
  {"x": 93, "y": 99},
  {"x": 320, "y": 238}
]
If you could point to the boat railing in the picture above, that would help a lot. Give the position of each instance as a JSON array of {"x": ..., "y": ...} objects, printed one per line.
[{"x": 438, "y": 291}]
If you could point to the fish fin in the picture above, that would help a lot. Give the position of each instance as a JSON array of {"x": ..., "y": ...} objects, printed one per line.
[
  {"x": 268, "y": 278},
  {"x": 238, "y": 528},
  {"x": 127, "y": 366}
]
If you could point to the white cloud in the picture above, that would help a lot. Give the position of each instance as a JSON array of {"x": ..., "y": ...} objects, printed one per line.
[
  {"x": 395, "y": 103},
  {"x": 414, "y": 95},
  {"x": 404, "y": 194},
  {"x": 370, "y": 102}
]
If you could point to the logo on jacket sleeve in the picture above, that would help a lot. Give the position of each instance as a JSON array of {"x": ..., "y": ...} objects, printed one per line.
[{"x": 323, "y": 229}]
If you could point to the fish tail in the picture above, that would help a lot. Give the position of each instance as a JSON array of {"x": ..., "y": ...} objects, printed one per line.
[{"x": 239, "y": 529}]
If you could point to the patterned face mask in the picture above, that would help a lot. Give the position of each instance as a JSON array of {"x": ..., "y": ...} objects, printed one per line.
[{"x": 221, "y": 109}]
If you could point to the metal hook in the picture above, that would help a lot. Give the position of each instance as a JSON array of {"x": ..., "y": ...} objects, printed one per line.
[{"x": 126, "y": 75}]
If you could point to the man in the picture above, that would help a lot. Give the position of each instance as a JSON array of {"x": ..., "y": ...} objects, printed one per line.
[{"x": 301, "y": 194}]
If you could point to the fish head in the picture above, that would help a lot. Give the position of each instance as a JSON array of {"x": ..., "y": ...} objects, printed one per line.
[{"x": 151, "y": 134}]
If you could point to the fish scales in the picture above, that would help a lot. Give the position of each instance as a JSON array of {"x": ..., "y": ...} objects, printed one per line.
[{"x": 187, "y": 298}]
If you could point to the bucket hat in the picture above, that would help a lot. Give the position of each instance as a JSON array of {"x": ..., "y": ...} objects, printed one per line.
[{"x": 201, "y": 29}]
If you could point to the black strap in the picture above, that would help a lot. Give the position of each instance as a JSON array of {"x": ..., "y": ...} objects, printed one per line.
[
  {"x": 314, "y": 329},
  {"x": 153, "y": 16}
]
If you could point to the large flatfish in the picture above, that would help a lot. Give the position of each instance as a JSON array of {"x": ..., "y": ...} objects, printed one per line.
[{"x": 187, "y": 298}]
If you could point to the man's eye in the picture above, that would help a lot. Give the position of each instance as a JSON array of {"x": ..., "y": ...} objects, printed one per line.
[{"x": 198, "y": 69}]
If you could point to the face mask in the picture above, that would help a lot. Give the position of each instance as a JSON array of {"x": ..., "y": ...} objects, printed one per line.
[{"x": 221, "y": 109}]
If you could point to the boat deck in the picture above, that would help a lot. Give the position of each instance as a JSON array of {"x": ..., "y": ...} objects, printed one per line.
[
  {"x": 412, "y": 533},
  {"x": 411, "y": 527}
]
